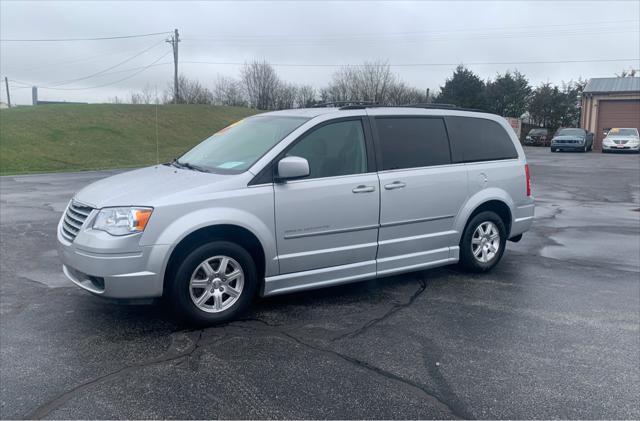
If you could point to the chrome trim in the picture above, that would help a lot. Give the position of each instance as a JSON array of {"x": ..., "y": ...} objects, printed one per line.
[
  {"x": 408, "y": 255},
  {"x": 74, "y": 219},
  {"x": 328, "y": 232},
  {"x": 416, "y": 237},
  {"x": 415, "y": 221},
  {"x": 329, "y": 250}
]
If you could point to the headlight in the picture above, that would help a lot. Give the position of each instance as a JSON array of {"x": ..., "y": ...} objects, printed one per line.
[
  {"x": 122, "y": 221},
  {"x": 607, "y": 141}
]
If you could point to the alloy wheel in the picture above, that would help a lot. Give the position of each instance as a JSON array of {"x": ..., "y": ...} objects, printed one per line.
[
  {"x": 216, "y": 284},
  {"x": 485, "y": 242}
]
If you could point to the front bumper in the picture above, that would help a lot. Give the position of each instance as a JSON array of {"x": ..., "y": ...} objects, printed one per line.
[
  {"x": 127, "y": 272},
  {"x": 621, "y": 148},
  {"x": 568, "y": 146}
]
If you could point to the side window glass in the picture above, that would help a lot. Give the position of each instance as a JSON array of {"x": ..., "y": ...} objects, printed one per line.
[
  {"x": 412, "y": 142},
  {"x": 333, "y": 149},
  {"x": 479, "y": 139}
]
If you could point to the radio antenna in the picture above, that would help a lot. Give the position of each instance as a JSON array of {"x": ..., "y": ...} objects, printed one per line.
[{"x": 157, "y": 143}]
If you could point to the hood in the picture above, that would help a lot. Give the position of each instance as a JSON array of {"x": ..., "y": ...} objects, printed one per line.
[
  {"x": 149, "y": 186},
  {"x": 618, "y": 137}
]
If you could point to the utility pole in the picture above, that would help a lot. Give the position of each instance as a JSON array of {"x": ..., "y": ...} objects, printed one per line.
[
  {"x": 174, "y": 40},
  {"x": 6, "y": 84}
]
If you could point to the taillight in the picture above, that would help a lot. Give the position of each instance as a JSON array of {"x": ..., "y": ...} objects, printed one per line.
[{"x": 528, "y": 177}]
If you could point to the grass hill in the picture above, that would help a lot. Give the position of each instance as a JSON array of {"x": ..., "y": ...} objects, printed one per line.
[{"x": 75, "y": 137}]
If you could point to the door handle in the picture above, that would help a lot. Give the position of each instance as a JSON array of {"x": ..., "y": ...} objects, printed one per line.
[
  {"x": 395, "y": 185},
  {"x": 363, "y": 189}
]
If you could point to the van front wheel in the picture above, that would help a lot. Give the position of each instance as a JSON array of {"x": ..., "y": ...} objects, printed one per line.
[
  {"x": 483, "y": 242},
  {"x": 214, "y": 283}
]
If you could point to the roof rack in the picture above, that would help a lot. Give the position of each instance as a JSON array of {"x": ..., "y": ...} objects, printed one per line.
[
  {"x": 343, "y": 104},
  {"x": 434, "y": 105},
  {"x": 359, "y": 105}
]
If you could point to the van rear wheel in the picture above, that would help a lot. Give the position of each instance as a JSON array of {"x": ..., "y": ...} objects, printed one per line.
[
  {"x": 483, "y": 242},
  {"x": 214, "y": 283}
]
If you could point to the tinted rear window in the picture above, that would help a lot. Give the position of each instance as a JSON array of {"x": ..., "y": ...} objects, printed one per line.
[
  {"x": 411, "y": 142},
  {"x": 479, "y": 139}
]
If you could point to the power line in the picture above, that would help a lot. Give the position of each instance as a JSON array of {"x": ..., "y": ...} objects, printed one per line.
[
  {"x": 580, "y": 25},
  {"x": 85, "y": 39},
  {"x": 110, "y": 83},
  {"x": 67, "y": 62},
  {"x": 155, "y": 63},
  {"x": 413, "y": 40},
  {"x": 66, "y": 82},
  {"x": 417, "y": 64}
]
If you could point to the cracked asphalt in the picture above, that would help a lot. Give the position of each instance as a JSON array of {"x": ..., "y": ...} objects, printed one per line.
[{"x": 552, "y": 332}]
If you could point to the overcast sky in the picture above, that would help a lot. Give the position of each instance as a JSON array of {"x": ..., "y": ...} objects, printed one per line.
[{"x": 319, "y": 35}]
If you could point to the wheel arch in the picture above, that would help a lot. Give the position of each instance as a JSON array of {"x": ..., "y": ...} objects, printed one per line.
[
  {"x": 221, "y": 232},
  {"x": 497, "y": 201}
]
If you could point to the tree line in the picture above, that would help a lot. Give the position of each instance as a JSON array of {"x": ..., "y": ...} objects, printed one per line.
[{"x": 259, "y": 86}]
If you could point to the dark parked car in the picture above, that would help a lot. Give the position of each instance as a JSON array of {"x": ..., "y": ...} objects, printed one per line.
[
  {"x": 572, "y": 139},
  {"x": 538, "y": 137}
]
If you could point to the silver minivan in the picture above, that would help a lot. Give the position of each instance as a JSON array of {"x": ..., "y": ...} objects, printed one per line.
[{"x": 291, "y": 200}]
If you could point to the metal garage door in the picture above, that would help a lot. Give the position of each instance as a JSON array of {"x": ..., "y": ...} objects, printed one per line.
[{"x": 616, "y": 114}]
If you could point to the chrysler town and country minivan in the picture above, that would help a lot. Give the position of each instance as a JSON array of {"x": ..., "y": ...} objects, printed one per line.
[{"x": 292, "y": 200}]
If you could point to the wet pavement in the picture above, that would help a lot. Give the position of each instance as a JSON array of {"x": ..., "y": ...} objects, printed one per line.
[{"x": 552, "y": 332}]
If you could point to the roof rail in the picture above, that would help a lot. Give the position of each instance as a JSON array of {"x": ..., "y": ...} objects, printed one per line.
[
  {"x": 441, "y": 106},
  {"x": 359, "y": 105},
  {"x": 343, "y": 104}
]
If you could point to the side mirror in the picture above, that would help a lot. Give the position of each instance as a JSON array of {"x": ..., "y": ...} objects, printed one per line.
[{"x": 291, "y": 168}]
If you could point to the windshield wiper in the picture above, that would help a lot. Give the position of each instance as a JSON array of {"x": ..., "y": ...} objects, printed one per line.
[{"x": 178, "y": 164}]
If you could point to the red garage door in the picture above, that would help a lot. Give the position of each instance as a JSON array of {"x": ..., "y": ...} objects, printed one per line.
[{"x": 616, "y": 114}]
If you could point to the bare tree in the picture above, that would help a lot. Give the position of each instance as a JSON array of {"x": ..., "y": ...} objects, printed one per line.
[
  {"x": 191, "y": 92},
  {"x": 342, "y": 86},
  {"x": 369, "y": 82},
  {"x": 144, "y": 96},
  {"x": 400, "y": 94},
  {"x": 228, "y": 91},
  {"x": 261, "y": 84},
  {"x": 305, "y": 96},
  {"x": 627, "y": 73},
  {"x": 285, "y": 96},
  {"x": 374, "y": 80}
]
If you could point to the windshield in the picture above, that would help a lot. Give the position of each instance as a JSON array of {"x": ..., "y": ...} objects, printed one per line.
[
  {"x": 623, "y": 132},
  {"x": 571, "y": 132},
  {"x": 537, "y": 132},
  {"x": 238, "y": 146}
]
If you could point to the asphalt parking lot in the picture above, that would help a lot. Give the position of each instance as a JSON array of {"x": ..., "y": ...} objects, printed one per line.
[{"x": 552, "y": 332}]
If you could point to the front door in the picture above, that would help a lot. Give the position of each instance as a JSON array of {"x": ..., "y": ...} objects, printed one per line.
[
  {"x": 327, "y": 223},
  {"x": 421, "y": 193}
]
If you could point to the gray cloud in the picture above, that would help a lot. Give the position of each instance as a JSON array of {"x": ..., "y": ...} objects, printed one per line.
[{"x": 310, "y": 33}]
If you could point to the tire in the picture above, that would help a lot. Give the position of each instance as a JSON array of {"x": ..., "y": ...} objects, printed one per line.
[
  {"x": 202, "y": 266},
  {"x": 553, "y": 149},
  {"x": 585, "y": 148},
  {"x": 468, "y": 260}
]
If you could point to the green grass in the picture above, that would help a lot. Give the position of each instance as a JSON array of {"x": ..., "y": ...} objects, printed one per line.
[{"x": 50, "y": 138}]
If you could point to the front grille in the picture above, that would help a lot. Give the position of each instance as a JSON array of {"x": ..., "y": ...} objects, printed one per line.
[
  {"x": 620, "y": 142},
  {"x": 73, "y": 220}
]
